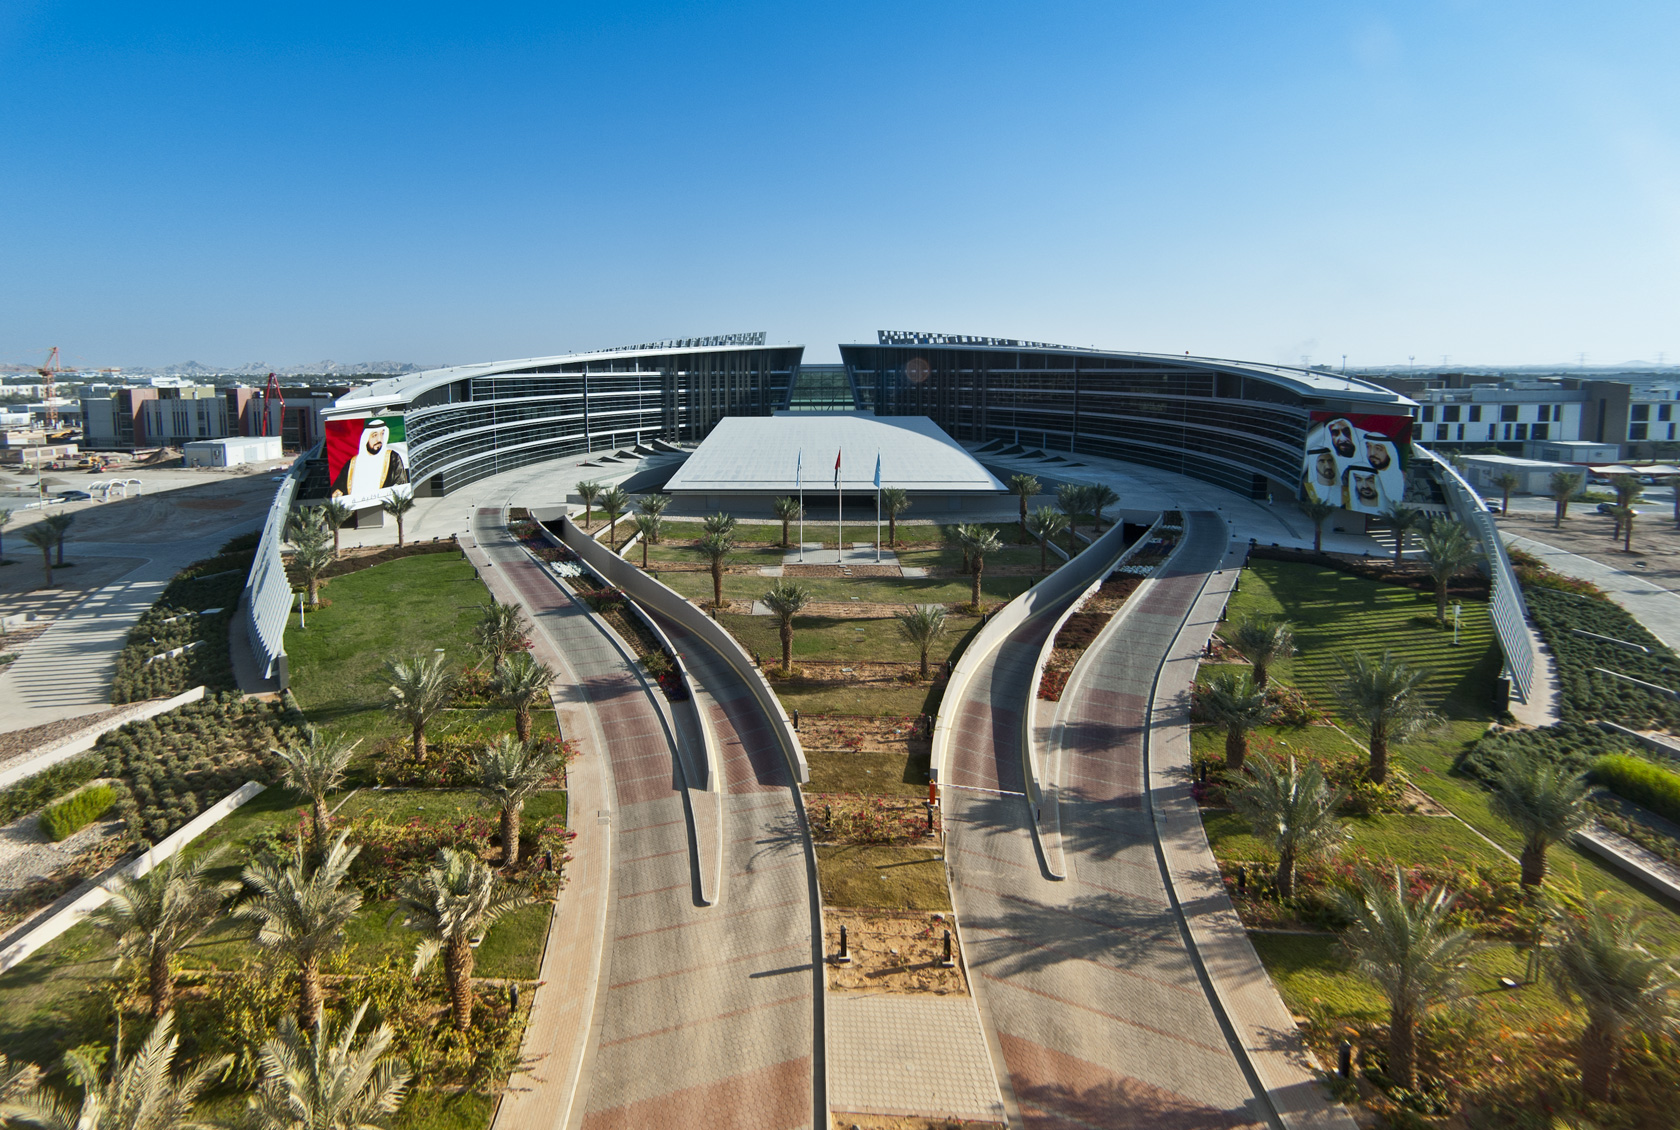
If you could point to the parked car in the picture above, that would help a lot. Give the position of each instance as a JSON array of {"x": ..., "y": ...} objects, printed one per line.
[
  {"x": 1493, "y": 507},
  {"x": 1610, "y": 508},
  {"x": 73, "y": 496}
]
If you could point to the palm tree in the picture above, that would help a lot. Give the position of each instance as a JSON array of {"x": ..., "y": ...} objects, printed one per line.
[
  {"x": 787, "y": 508},
  {"x": 1317, "y": 512},
  {"x": 1673, "y": 482},
  {"x": 1402, "y": 519},
  {"x": 653, "y": 506},
  {"x": 313, "y": 1082},
  {"x": 1074, "y": 500},
  {"x": 1235, "y": 701},
  {"x": 1024, "y": 486},
  {"x": 6, "y": 520},
  {"x": 715, "y": 547},
  {"x": 1507, "y": 482},
  {"x": 138, "y": 1093},
  {"x": 1448, "y": 548},
  {"x": 614, "y": 502},
  {"x": 979, "y": 541},
  {"x": 398, "y": 506},
  {"x": 60, "y": 525},
  {"x": 1628, "y": 489},
  {"x": 1263, "y": 641},
  {"x": 1600, "y": 963},
  {"x": 1542, "y": 802},
  {"x": 719, "y": 523},
  {"x": 1292, "y": 811},
  {"x": 1624, "y": 518},
  {"x": 523, "y": 684},
  {"x": 649, "y": 526},
  {"x": 1044, "y": 524},
  {"x": 958, "y": 536},
  {"x": 1384, "y": 696},
  {"x": 420, "y": 688},
  {"x": 336, "y": 515},
  {"x": 311, "y": 562},
  {"x": 42, "y": 539},
  {"x": 589, "y": 491},
  {"x": 300, "y": 912},
  {"x": 154, "y": 916},
  {"x": 316, "y": 768},
  {"x": 450, "y": 903},
  {"x": 1564, "y": 485},
  {"x": 786, "y": 601},
  {"x": 1102, "y": 497},
  {"x": 894, "y": 501},
  {"x": 1411, "y": 949},
  {"x": 500, "y": 632},
  {"x": 306, "y": 527},
  {"x": 922, "y": 624},
  {"x": 509, "y": 771}
]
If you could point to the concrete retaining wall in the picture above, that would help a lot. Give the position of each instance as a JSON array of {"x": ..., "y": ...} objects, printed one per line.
[
  {"x": 667, "y": 602},
  {"x": 100, "y": 894},
  {"x": 84, "y": 741}
]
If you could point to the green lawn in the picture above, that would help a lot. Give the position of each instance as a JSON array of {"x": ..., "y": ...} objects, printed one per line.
[
  {"x": 838, "y": 638},
  {"x": 1322, "y": 741},
  {"x": 875, "y": 875},
  {"x": 881, "y": 774},
  {"x": 871, "y": 590},
  {"x": 1414, "y": 838},
  {"x": 870, "y": 699},
  {"x": 397, "y": 610}
]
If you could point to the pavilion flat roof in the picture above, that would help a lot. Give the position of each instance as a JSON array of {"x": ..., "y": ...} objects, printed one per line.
[{"x": 759, "y": 455}]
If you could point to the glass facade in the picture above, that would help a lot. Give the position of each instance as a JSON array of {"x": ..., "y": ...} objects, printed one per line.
[
  {"x": 1223, "y": 425},
  {"x": 492, "y": 422}
]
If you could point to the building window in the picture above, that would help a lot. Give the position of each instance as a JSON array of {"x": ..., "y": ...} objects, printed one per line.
[
  {"x": 1476, "y": 416},
  {"x": 1449, "y": 413},
  {"x": 1545, "y": 413},
  {"x": 1671, "y": 431},
  {"x": 1461, "y": 432},
  {"x": 1428, "y": 413},
  {"x": 1507, "y": 411},
  {"x": 1665, "y": 412},
  {"x": 1522, "y": 431},
  {"x": 1541, "y": 431},
  {"x": 1637, "y": 431},
  {"x": 1641, "y": 412},
  {"x": 1441, "y": 431}
]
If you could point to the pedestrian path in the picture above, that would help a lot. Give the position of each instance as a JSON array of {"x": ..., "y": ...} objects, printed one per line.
[
  {"x": 1655, "y": 607},
  {"x": 910, "y": 1055},
  {"x": 702, "y": 1015},
  {"x": 1102, "y": 1014}
]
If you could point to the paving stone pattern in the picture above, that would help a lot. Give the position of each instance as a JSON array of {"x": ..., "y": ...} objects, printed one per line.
[
  {"x": 705, "y": 1013},
  {"x": 910, "y": 1055},
  {"x": 1098, "y": 1009}
]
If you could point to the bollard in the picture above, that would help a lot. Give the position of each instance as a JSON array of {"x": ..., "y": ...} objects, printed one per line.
[
  {"x": 1344, "y": 1060},
  {"x": 930, "y": 819},
  {"x": 1204, "y": 772},
  {"x": 796, "y": 719},
  {"x": 514, "y": 996},
  {"x": 1242, "y": 879},
  {"x": 946, "y": 962},
  {"x": 845, "y": 957},
  {"x": 548, "y": 860}
]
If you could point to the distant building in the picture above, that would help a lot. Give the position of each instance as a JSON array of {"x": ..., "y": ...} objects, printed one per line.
[
  {"x": 172, "y": 413},
  {"x": 234, "y": 451},
  {"x": 1512, "y": 416}
]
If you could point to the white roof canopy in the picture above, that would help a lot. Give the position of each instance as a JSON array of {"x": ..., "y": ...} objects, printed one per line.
[{"x": 759, "y": 455}]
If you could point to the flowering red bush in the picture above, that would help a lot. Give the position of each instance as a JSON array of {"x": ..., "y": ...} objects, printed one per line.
[
  {"x": 1052, "y": 685},
  {"x": 847, "y": 818},
  {"x": 451, "y": 761}
]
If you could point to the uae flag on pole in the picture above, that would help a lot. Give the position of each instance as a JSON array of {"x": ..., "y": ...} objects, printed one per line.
[{"x": 836, "y": 470}]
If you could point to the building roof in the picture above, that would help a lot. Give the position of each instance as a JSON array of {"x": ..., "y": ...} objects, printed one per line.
[{"x": 759, "y": 454}]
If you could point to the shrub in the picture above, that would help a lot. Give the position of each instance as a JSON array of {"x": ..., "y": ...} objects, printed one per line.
[
  {"x": 1640, "y": 781},
  {"x": 1587, "y": 695},
  {"x": 1574, "y": 745},
  {"x": 174, "y": 621},
  {"x": 47, "y": 786},
  {"x": 68, "y": 817}
]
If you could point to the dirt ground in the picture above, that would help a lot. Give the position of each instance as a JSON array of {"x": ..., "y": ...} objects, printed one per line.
[
  {"x": 845, "y": 1121},
  {"x": 1656, "y": 549},
  {"x": 863, "y": 733},
  {"x": 892, "y": 952}
]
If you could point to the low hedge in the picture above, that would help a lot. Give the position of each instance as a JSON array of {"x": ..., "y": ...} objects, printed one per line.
[
  {"x": 174, "y": 621},
  {"x": 1588, "y": 695},
  {"x": 67, "y": 817},
  {"x": 1573, "y": 745},
  {"x": 47, "y": 786},
  {"x": 1641, "y": 781}
]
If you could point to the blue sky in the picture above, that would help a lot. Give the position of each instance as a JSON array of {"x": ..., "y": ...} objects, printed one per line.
[{"x": 1495, "y": 183}]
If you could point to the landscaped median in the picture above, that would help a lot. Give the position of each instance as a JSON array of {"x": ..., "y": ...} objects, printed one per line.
[
  {"x": 411, "y": 815},
  {"x": 1506, "y": 1041}
]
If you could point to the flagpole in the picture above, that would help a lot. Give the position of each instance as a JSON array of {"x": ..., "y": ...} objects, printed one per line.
[
  {"x": 839, "y": 515},
  {"x": 877, "y": 508},
  {"x": 799, "y": 481}
]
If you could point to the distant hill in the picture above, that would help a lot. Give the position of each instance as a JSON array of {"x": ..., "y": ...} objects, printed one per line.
[{"x": 256, "y": 370}]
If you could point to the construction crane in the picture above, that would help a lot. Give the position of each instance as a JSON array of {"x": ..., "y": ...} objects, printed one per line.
[
  {"x": 272, "y": 392},
  {"x": 49, "y": 386}
]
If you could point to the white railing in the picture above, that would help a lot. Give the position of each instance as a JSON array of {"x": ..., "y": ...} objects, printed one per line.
[
  {"x": 268, "y": 594},
  {"x": 1505, "y": 605}
]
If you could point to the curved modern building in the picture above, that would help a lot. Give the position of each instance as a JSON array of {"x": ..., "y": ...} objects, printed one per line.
[{"x": 1242, "y": 426}]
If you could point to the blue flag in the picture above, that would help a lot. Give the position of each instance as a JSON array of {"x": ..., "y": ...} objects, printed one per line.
[
  {"x": 877, "y": 470},
  {"x": 799, "y": 471}
]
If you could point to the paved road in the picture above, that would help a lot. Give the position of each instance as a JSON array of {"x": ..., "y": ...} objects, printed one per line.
[
  {"x": 1098, "y": 1010},
  {"x": 705, "y": 1015}
]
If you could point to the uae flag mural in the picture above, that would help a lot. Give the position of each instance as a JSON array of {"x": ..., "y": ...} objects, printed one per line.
[
  {"x": 1357, "y": 461},
  {"x": 366, "y": 458}
]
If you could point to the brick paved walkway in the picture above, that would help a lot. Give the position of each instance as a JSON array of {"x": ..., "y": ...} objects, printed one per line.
[
  {"x": 704, "y": 1014},
  {"x": 910, "y": 1055},
  {"x": 1098, "y": 1009}
]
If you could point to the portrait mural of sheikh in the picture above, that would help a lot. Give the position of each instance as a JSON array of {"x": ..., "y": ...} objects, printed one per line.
[
  {"x": 1357, "y": 461},
  {"x": 366, "y": 458}
]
